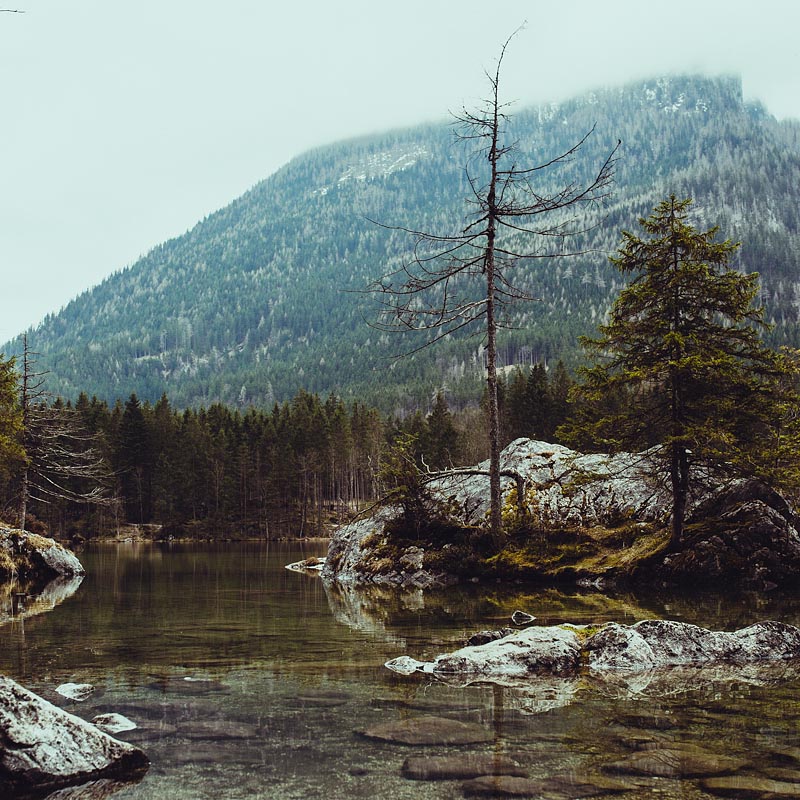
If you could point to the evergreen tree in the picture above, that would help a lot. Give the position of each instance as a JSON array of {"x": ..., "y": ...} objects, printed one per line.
[
  {"x": 11, "y": 452},
  {"x": 683, "y": 348},
  {"x": 440, "y": 444},
  {"x": 135, "y": 459}
]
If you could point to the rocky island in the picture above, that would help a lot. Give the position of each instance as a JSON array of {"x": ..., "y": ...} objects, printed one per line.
[{"x": 589, "y": 519}]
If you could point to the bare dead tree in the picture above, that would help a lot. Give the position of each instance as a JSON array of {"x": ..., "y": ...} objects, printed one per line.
[
  {"x": 513, "y": 223},
  {"x": 64, "y": 459}
]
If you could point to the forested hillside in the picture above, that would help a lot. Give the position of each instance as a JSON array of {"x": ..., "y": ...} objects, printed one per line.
[{"x": 262, "y": 298}]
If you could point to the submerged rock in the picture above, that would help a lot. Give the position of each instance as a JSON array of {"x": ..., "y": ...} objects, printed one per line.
[
  {"x": 428, "y": 731},
  {"x": 561, "y": 787},
  {"x": 748, "y": 787},
  {"x": 675, "y": 762},
  {"x": 42, "y": 746},
  {"x": 460, "y": 767}
]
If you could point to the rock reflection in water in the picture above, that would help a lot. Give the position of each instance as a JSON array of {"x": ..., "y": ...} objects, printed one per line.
[{"x": 21, "y": 600}]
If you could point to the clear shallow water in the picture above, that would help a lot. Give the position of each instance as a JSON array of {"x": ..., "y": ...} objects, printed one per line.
[{"x": 283, "y": 672}]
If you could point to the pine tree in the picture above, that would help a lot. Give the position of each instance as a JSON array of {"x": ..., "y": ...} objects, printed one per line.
[
  {"x": 11, "y": 452},
  {"x": 683, "y": 347},
  {"x": 439, "y": 441}
]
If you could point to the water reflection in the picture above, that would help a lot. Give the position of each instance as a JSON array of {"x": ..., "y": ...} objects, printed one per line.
[
  {"x": 284, "y": 670},
  {"x": 20, "y": 600}
]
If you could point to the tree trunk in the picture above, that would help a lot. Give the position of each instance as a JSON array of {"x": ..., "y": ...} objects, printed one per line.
[
  {"x": 495, "y": 515},
  {"x": 679, "y": 475}
]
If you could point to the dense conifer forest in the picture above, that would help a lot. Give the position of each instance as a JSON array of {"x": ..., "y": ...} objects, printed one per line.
[
  {"x": 265, "y": 297},
  {"x": 292, "y": 470}
]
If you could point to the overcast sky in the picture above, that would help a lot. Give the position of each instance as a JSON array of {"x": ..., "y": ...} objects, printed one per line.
[{"x": 123, "y": 123}]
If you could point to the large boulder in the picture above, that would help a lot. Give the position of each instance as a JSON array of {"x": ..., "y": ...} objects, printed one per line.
[
  {"x": 532, "y": 651},
  {"x": 43, "y": 747},
  {"x": 28, "y": 556}
]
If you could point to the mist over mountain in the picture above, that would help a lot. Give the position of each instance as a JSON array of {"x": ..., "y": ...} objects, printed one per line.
[{"x": 263, "y": 297}]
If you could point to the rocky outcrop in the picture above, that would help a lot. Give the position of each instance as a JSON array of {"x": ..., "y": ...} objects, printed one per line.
[
  {"x": 43, "y": 747},
  {"x": 611, "y": 512},
  {"x": 654, "y": 644},
  {"x": 28, "y": 556},
  {"x": 645, "y": 647}
]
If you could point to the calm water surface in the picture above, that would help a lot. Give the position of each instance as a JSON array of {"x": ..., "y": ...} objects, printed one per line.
[{"x": 249, "y": 681}]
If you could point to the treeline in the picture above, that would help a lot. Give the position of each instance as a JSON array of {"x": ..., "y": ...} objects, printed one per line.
[{"x": 291, "y": 471}]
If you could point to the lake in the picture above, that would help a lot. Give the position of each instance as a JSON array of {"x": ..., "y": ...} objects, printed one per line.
[{"x": 250, "y": 681}]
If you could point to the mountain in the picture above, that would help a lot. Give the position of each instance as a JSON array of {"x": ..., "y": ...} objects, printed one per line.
[{"x": 264, "y": 297}]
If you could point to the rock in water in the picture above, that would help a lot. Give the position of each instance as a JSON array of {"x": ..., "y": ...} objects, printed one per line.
[
  {"x": 460, "y": 767},
  {"x": 75, "y": 691},
  {"x": 43, "y": 747},
  {"x": 113, "y": 723},
  {"x": 405, "y": 665},
  {"x": 673, "y": 762},
  {"x": 486, "y": 636},
  {"x": 35, "y": 557},
  {"x": 747, "y": 787},
  {"x": 551, "y": 650},
  {"x": 428, "y": 731}
]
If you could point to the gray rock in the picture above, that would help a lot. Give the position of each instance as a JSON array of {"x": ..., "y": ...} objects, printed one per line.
[
  {"x": 42, "y": 746},
  {"x": 31, "y": 556},
  {"x": 428, "y": 731},
  {"x": 653, "y": 644},
  {"x": 532, "y": 651},
  {"x": 522, "y": 618},
  {"x": 113, "y": 723},
  {"x": 619, "y": 647},
  {"x": 484, "y": 637},
  {"x": 405, "y": 665},
  {"x": 460, "y": 767},
  {"x": 655, "y": 655},
  {"x": 75, "y": 691}
]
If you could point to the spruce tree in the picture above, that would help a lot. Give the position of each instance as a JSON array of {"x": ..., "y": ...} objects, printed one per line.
[
  {"x": 683, "y": 346},
  {"x": 11, "y": 452}
]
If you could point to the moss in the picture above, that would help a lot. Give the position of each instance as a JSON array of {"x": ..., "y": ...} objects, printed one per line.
[
  {"x": 583, "y": 632},
  {"x": 573, "y": 553},
  {"x": 7, "y": 566},
  {"x": 38, "y": 542}
]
